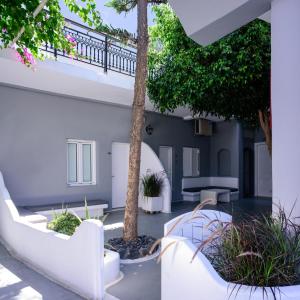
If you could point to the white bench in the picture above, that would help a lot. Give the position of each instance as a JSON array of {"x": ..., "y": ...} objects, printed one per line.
[
  {"x": 192, "y": 186},
  {"x": 95, "y": 208}
]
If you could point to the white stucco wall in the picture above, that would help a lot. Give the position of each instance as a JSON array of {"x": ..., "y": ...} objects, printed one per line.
[
  {"x": 76, "y": 262},
  {"x": 184, "y": 278},
  {"x": 150, "y": 161},
  {"x": 285, "y": 18}
]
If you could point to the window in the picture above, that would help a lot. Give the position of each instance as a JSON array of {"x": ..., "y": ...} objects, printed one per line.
[
  {"x": 81, "y": 162},
  {"x": 191, "y": 159}
]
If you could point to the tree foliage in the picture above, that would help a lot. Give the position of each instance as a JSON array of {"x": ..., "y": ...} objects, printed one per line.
[
  {"x": 230, "y": 78},
  {"x": 123, "y": 6},
  {"x": 46, "y": 27}
]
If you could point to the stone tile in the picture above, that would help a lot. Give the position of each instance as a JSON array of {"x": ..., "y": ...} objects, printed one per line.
[
  {"x": 141, "y": 282},
  {"x": 18, "y": 282}
]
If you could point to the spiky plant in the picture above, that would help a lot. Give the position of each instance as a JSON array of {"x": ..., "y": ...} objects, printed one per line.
[
  {"x": 260, "y": 252},
  {"x": 152, "y": 184}
]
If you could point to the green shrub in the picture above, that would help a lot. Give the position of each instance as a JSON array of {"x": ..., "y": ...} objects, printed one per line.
[
  {"x": 65, "y": 223},
  {"x": 261, "y": 252},
  {"x": 152, "y": 184}
]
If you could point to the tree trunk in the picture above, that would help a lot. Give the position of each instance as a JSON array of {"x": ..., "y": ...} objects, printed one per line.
[
  {"x": 264, "y": 119},
  {"x": 137, "y": 123}
]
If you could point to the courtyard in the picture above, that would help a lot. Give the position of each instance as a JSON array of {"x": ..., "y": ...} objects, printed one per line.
[
  {"x": 118, "y": 118},
  {"x": 140, "y": 281}
]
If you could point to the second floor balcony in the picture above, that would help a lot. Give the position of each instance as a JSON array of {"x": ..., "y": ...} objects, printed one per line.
[{"x": 97, "y": 49}]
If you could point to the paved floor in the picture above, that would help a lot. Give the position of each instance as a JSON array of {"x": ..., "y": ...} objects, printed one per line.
[
  {"x": 142, "y": 281},
  {"x": 18, "y": 282}
]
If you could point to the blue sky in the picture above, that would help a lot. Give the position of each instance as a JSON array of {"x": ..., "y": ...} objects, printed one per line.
[{"x": 109, "y": 16}]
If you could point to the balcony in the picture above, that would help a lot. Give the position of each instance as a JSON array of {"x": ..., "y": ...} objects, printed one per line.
[{"x": 97, "y": 49}]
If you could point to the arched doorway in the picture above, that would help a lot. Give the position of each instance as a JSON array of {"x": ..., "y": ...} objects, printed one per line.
[{"x": 224, "y": 163}]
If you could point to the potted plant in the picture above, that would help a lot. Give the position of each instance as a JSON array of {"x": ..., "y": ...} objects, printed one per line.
[{"x": 152, "y": 185}]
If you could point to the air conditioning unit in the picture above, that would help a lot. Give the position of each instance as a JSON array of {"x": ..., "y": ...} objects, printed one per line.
[{"x": 203, "y": 127}]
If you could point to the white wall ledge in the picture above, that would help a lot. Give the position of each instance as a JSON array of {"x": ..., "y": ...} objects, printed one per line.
[{"x": 75, "y": 262}]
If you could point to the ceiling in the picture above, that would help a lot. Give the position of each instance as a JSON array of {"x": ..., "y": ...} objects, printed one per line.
[{"x": 206, "y": 21}]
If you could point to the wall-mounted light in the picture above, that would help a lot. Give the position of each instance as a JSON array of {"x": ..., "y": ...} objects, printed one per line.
[{"x": 149, "y": 129}]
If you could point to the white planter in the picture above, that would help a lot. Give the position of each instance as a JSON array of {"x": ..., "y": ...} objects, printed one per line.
[
  {"x": 75, "y": 262},
  {"x": 152, "y": 204},
  {"x": 111, "y": 267},
  {"x": 184, "y": 278}
]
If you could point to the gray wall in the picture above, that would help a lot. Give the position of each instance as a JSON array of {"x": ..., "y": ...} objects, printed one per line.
[
  {"x": 34, "y": 127},
  {"x": 248, "y": 139},
  {"x": 33, "y": 131},
  {"x": 174, "y": 132},
  {"x": 226, "y": 135}
]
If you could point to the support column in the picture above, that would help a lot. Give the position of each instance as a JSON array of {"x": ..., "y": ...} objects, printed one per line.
[{"x": 286, "y": 104}]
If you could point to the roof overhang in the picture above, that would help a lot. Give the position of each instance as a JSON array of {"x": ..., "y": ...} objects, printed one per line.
[
  {"x": 206, "y": 21},
  {"x": 67, "y": 77}
]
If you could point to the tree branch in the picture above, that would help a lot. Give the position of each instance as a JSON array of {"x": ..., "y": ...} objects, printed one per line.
[{"x": 265, "y": 125}]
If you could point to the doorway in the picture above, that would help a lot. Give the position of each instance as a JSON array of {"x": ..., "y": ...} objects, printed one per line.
[
  {"x": 120, "y": 166},
  {"x": 248, "y": 168},
  {"x": 263, "y": 171},
  {"x": 166, "y": 158}
]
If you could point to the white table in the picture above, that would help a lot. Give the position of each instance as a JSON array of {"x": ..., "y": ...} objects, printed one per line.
[{"x": 215, "y": 195}]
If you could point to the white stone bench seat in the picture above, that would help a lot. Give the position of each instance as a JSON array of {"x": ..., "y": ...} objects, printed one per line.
[
  {"x": 192, "y": 187},
  {"x": 194, "y": 194},
  {"x": 199, "y": 189},
  {"x": 95, "y": 208}
]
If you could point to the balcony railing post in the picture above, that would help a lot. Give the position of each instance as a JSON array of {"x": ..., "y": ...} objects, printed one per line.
[{"x": 105, "y": 54}]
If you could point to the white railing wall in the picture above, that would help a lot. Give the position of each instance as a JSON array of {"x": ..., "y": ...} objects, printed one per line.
[
  {"x": 75, "y": 262},
  {"x": 185, "y": 275}
]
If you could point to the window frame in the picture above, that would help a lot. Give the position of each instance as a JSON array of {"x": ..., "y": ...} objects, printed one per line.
[{"x": 79, "y": 162}]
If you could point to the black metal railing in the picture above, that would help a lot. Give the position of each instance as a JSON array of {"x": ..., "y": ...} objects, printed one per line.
[{"x": 97, "y": 49}]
